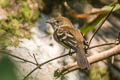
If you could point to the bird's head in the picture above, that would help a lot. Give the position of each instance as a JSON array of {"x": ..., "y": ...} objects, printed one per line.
[{"x": 59, "y": 22}]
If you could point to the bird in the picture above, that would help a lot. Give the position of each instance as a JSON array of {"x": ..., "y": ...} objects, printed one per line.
[{"x": 70, "y": 37}]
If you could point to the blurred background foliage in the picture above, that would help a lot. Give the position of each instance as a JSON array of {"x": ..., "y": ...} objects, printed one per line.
[
  {"x": 7, "y": 68},
  {"x": 17, "y": 17}
]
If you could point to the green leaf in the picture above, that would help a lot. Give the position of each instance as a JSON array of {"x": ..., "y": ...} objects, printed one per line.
[
  {"x": 86, "y": 28},
  {"x": 91, "y": 25}
]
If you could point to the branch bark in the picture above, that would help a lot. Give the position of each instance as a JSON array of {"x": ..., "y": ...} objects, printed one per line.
[{"x": 92, "y": 59}]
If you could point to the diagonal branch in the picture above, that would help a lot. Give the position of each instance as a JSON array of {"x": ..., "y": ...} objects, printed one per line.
[
  {"x": 92, "y": 59},
  {"x": 100, "y": 24}
]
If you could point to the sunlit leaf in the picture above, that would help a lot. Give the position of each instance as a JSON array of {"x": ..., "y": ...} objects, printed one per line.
[
  {"x": 86, "y": 28},
  {"x": 91, "y": 25}
]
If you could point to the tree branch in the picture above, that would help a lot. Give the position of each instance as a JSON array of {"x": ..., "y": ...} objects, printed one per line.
[
  {"x": 92, "y": 59},
  {"x": 39, "y": 65},
  {"x": 73, "y": 68}
]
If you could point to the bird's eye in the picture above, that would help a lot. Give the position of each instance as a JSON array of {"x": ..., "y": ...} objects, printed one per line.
[{"x": 57, "y": 21}]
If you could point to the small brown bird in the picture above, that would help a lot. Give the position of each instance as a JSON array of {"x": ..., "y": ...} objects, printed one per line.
[{"x": 69, "y": 36}]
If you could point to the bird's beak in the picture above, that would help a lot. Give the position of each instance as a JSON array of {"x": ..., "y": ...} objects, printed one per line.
[{"x": 49, "y": 21}]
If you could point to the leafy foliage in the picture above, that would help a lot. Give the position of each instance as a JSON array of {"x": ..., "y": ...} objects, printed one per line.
[{"x": 18, "y": 23}]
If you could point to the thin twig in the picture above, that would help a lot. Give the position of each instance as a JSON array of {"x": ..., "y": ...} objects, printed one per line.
[
  {"x": 30, "y": 73},
  {"x": 44, "y": 63},
  {"x": 5, "y": 52},
  {"x": 101, "y": 45},
  {"x": 35, "y": 59},
  {"x": 100, "y": 24}
]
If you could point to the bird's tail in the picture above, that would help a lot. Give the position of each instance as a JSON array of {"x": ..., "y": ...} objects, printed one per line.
[{"x": 82, "y": 59}]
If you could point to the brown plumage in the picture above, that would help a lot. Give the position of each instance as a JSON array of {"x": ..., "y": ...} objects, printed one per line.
[{"x": 69, "y": 36}]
